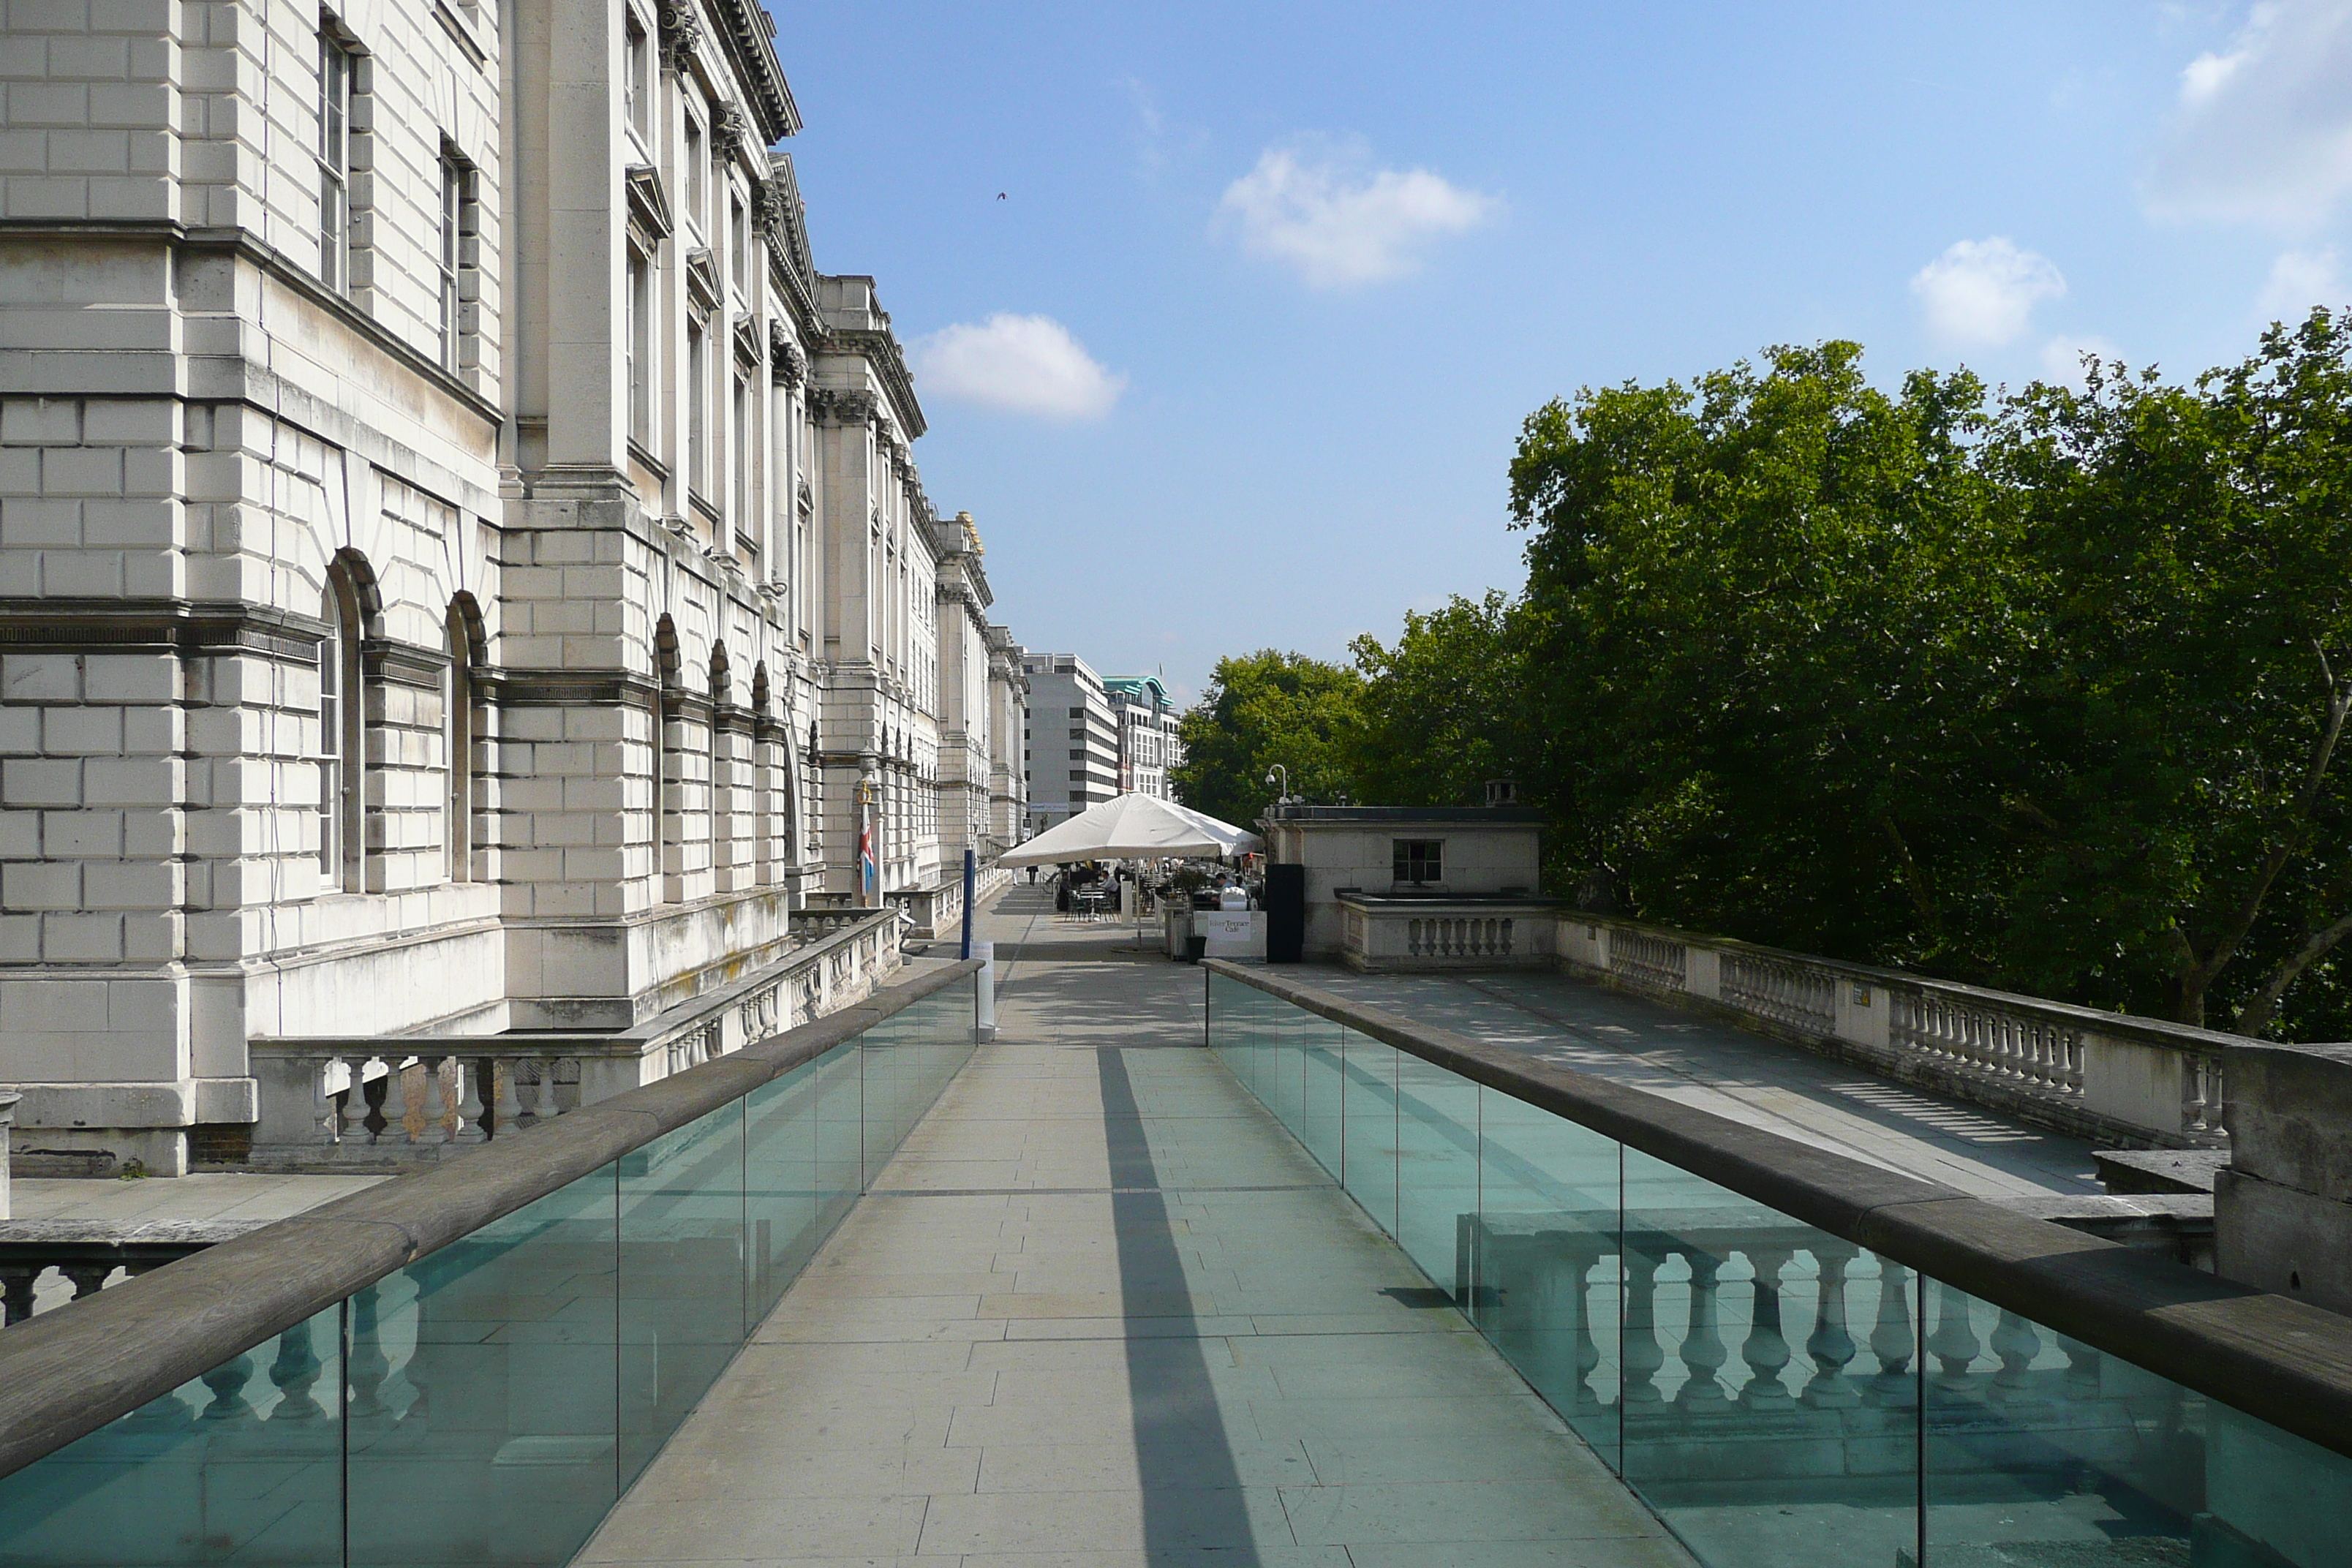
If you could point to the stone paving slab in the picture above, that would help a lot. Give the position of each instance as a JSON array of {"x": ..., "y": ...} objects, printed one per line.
[
  {"x": 1102, "y": 1312},
  {"x": 1727, "y": 1070}
]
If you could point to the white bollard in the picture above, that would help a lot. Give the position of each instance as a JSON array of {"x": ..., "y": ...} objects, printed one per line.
[{"x": 985, "y": 1026}]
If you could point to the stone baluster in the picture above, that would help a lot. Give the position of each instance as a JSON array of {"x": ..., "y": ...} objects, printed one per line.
[
  {"x": 17, "y": 1283},
  {"x": 433, "y": 1115},
  {"x": 1703, "y": 1352},
  {"x": 88, "y": 1279},
  {"x": 295, "y": 1370},
  {"x": 542, "y": 1104},
  {"x": 160, "y": 1417},
  {"x": 355, "y": 1107},
  {"x": 227, "y": 1382},
  {"x": 1765, "y": 1350},
  {"x": 1639, "y": 1353},
  {"x": 2017, "y": 1343},
  {"x": 508, "y": 1107},
  {"x": 1893, "y": 1340},
  {"x": 1581, "y": 1263},
  {"x": 367, "y": 1365},
  {"x": 396, "y": 1102},
  {"x": 2082, "y": 1369},
  {"x": 1830, "y": 1345},
  {"x": 325, "y": 1119},
  {"x": 468, "y": 1127},
  {"x": 1953, "y": 1341}
]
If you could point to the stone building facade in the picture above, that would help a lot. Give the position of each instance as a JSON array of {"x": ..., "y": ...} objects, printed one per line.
[
  {"x": 1151, "y": 741},
  {"x": 461, "y": 564}
]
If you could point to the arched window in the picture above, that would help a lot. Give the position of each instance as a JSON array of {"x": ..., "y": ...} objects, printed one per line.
[
  {"x": 342, "y": 736},
  {"x": 457, "y": 747}
]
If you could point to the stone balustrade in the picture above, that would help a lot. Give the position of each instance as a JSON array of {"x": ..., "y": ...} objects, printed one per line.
[
  {"x": 370, "y": 1101},
  {"x": 2108, "y": 1076}
]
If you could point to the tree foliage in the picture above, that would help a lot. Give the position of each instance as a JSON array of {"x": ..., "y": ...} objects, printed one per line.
[
  {"x": 2043, "y": 689},
  {"x": 1260, "y": 710}
]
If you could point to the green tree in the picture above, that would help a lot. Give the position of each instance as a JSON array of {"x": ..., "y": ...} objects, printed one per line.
[
  {"x": 2183, "y": 783},
  {"x": 1262, "y": 709},
  {"x": 1447, "y": 707},
  {"x": 1759, "y": 703}
]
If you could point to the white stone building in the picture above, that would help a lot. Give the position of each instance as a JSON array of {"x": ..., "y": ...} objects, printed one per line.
[
  {"x": 1149, "y": 738},
  {"x": 461, "y": 566}
]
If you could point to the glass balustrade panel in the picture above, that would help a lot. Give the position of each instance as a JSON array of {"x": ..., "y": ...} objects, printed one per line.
[
  {"x": 2040, "y": 1448},
  {"x": 483, "y": 1371},
  {"x": 782, "y": 1196},
  {"x": 840, "y": 1131},
  {"x": 1767, "y": 1403},
  {"x": 1436, "y": 1169},
  {"x": 1367, "y": 1117},
  {"x": 1315, "y": 1042},
  {"x": 1542, "y": 1260},
  {"x": 682, "y": 1276},
  {"x": 244, "y": 1464}
]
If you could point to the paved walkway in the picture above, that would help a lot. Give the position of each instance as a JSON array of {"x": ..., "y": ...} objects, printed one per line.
[
  {"x": 1102, "y": 1311},
  {"x": 1736, "y": 1074}
]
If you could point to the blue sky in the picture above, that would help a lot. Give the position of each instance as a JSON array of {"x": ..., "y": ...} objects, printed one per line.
[{"x": 1240, "y": 358}]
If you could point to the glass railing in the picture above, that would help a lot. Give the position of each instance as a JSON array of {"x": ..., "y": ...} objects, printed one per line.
[
  {"x": 1778, "y": 1394},
  {"x": 489, "y": 1403}
]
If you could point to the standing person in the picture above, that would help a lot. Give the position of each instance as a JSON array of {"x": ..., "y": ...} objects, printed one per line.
[{"x": 1061, "y": 892}]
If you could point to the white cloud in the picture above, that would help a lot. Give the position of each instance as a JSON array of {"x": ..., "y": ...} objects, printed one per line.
[
  {"x": 1981, "y": 293},
  {"x": 1339, "y": 224},
  {"x": 2263, "y": 132},
  {"x": 2062, "y": 358},
  {"x": 1023, "y": 364},
  {"x": 2300, "y": 279}
]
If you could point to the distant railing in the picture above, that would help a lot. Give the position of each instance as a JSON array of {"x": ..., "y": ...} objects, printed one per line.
[
  {"x": 2109, "y": 1077},
  {"x": 371, "y": 1098},
  {"x": 1792, "y": 1355},
  {"x": 471, "y": 1363}
]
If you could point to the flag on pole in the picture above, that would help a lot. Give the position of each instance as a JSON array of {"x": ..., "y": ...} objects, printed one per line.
[{"x": 867, "y": 871}]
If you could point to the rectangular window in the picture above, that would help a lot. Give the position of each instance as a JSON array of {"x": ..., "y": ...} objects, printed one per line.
[
  {"x": 453, "y": 183},
  {"x": 335, "y": 72},
  {"x": 742, "y": 238},
  {"x": 640, "y": 307},
  {"x": 1419, "y": 860},
  {"x": 742, "y": 458},
  {"x": 636, "y": 91},
  {"x": 696, "y": 384},
  {"x": 694, "y": 172}
]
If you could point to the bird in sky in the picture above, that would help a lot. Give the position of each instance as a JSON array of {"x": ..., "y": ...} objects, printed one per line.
[{"x": 1000, "y": 195}]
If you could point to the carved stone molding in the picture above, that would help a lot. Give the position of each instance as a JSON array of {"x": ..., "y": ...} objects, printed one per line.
[
  {"x": 681, "y": 32},
  {"x": 729, "y": 131},
  {"x": 844, "y": 408},
  {"x": 787, "y": 365}
]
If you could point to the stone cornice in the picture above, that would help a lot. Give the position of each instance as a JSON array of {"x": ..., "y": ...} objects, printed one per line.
[
  {"x": 879, "y": 348},
  {"x": 246, "y": 244},
  {"x": 182, "y": 625}
]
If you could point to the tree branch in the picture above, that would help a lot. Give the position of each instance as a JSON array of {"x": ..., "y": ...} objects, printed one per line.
[{"x": 2262, "y": 1006}]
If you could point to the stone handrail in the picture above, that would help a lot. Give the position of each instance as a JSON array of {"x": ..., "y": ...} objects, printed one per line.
[
  {"x": 372, "y": 1099},
  {"x": 68, "y": 1373},
  {"x": 2108, "y": 1076},
  {"x": 2282, "y": 1361}
]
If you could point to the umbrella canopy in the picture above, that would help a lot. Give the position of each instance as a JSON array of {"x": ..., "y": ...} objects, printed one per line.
[{"x": 1132, "y": 828}]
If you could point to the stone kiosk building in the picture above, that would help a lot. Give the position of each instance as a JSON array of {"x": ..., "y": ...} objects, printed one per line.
[{"x": 462, "y": 569}]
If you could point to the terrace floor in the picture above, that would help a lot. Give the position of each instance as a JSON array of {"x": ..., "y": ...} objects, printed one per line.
[
  {"x": 1735, "y": 1074},
  {"x": 1103, "y": 1311}
]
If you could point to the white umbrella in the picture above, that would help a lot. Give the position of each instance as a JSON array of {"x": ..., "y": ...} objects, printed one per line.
[{"x": 1132, "y": 828}]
